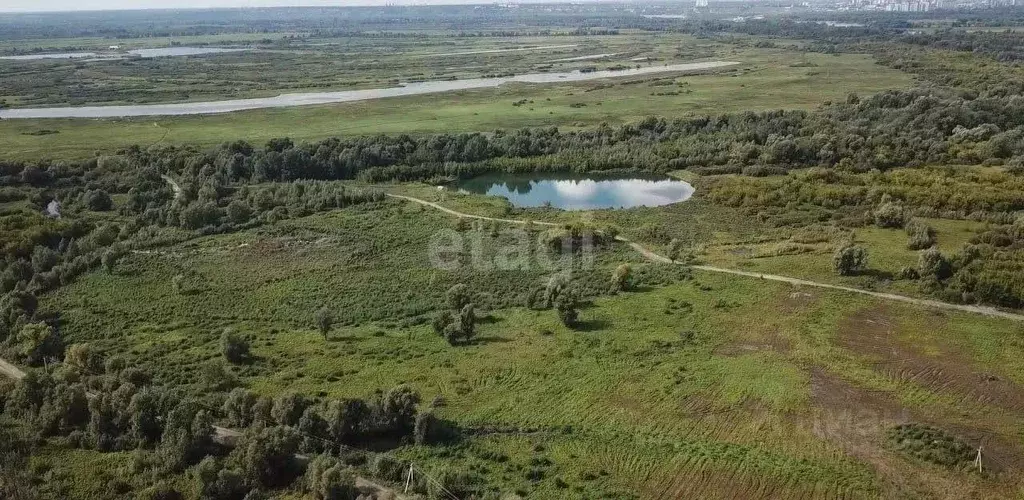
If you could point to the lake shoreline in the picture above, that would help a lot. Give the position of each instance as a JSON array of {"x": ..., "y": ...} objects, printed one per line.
[{"x": 585, "y": 191}]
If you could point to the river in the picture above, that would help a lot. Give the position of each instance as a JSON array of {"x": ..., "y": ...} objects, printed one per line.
[{"x": 310, "y": 98}]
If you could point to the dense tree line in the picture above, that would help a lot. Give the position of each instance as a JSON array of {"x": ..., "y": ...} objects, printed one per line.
[
  {"x": 1005, "y": 46},
  {"x": 888, "y": 130},
  {"x": 989, "y": 269},
  {"x": 947, "y": 192}
]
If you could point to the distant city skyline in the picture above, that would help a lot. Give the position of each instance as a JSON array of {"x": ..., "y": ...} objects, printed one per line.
[{"x": 98, "y": 5}]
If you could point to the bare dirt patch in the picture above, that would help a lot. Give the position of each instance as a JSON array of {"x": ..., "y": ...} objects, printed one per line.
[
  {"x": 855, "y": 420},
  {"x": 797, "y": 300},
  {"x": 772, "y": 340},
  {"x": 694, "y": 480},
  {"x": 871, "y": 332}
]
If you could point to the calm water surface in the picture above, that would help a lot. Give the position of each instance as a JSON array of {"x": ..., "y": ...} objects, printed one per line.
[
  {"x": 56, "y": 55},
  {"x": 144, "y": 53},
  {"x": 580, "y": 192}
]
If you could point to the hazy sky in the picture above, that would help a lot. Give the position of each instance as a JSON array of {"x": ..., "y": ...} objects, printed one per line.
[{"x": 59, "y": 5}]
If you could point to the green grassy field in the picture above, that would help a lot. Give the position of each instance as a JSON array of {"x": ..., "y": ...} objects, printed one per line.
[
  {"x": 735, "y": 238},
  {"x": 768, "y": 79},
  {"x": 688, "y": 383},
  {"x": 694, "y": 387}
]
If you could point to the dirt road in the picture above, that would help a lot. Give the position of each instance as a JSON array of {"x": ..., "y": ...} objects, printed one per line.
[
  {"x": 174, "y": 185},
  {"x": 11, "y": 371},
  {"x": 655, "y": 257}
]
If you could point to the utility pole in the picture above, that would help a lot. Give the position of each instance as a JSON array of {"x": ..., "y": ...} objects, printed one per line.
[
  {"x": 408, "y": 479},
  {"x": 977, "y": 460}
]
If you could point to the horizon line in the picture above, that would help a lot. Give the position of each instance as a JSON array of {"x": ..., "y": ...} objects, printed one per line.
[{"x": 356, "y": 4}]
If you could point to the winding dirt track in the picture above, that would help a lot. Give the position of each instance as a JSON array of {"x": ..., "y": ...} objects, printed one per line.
[
  {"x": 174, "y": 185},
  {"x": 655, "y": 257}
]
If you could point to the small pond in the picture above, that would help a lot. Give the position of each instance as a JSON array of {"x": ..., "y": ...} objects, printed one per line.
[{"x": 580, "y": 191}]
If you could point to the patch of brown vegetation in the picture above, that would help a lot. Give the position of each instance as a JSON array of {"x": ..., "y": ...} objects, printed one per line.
[
  {"x": 768, "y": 341},
  {"x": 798, "y": 300},
  {"x": 695, "y": 480},
  {"x": 771, "y": 337},
  {"x": 263, "y": 247},
  {"x": 871, "y": 332},
  {"x": 855, "y": 420}
]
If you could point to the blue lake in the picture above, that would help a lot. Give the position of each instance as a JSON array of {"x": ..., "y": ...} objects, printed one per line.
[{"x": 580, "y": 191}]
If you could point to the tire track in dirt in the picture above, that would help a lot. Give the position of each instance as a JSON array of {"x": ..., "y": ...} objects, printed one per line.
[
  {"x": 871, "y": 333},
  {"x": 855, "y": 420}
]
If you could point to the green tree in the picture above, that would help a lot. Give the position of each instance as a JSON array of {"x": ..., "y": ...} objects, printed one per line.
[
  {"x": 346, "y": 419},
  {"x": 313, "y": 428},
  {"x": 145, "y": 417},
  {"x": 441, "y": 321},
  {"x": 44, "y": 258},
  {"x": 218, "y": 482},
  {"x": 567, "y": 306},
  {"x": 920, "y": 235},
  {"x": 187, "y": 436},
  {"x": 850, "y": 260},
  {"x": 458, "y": 296},
  {"x": 674, "y": 248},
  {"x": 266, "y": 456},
  {"x": 29, "y": 394},
  {"x": 327, "y": 479},
  {"x": 238, "y": 407},
  {"x": 932, "y": 264},
  {"x": 556, "y": 285},
  {"x": 890, "y": 215},
  {"x": 110, "y": 257},
  {"x": 65, "y": 410},
  {"x": 396, "y": 410},
  {"x": 98, "y": 200},
  {"x": 83, "y": 359},
  {"x": 324, "y": 321},
  {"x": 621, "y": 277},
  {"x": 467, "y": 321},
  {"x": 39, "y": 341},
  {"x": 288, "y": 408},
  {"x": 239, "y": 212},
  {"x": 115, "y": 364},
  {"x": 263, "y": 412},
  {"x": 217, "y": 376},
  {"x": 425, "y": 428},
  {"x": 234, "y": 348}
]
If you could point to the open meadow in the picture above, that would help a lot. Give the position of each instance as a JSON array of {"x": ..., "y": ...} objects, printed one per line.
[
  {"x": 694, "y": 383},
  {"x": 797, "y": 276}
]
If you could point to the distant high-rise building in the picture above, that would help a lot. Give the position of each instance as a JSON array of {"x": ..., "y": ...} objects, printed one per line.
[{"x": 701, "y": 4}]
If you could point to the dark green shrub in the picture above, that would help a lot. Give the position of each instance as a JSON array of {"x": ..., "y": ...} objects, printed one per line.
[{"x": 850, "y": 260}]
